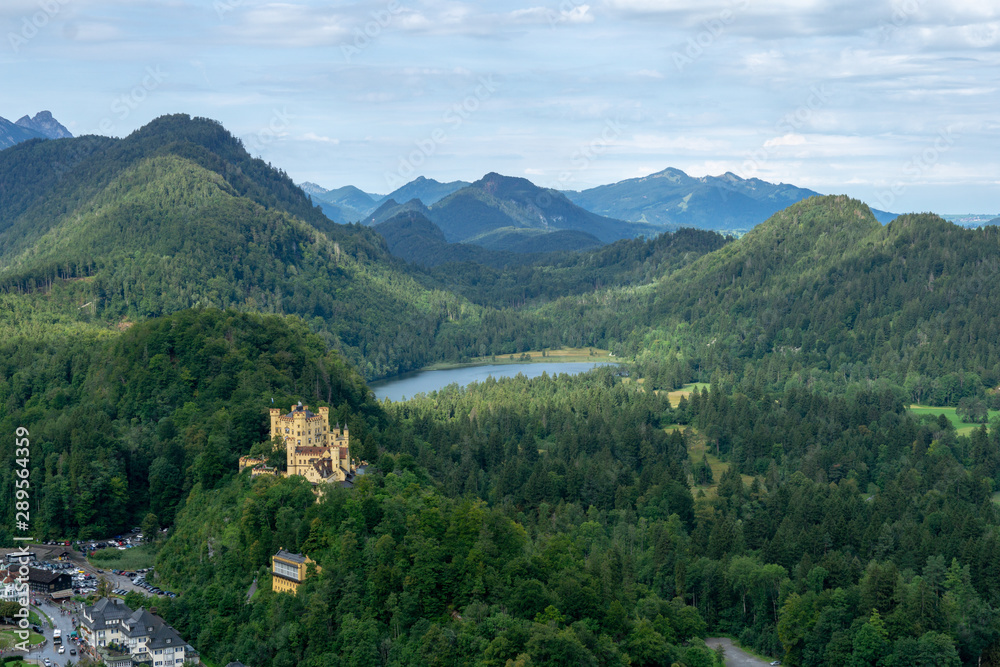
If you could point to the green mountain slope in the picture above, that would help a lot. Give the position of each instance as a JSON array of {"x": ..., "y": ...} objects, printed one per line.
[
  {"x": 823, "y": 287},
  {"x": 178, "y": 215},
  {"x": 127, "y": 424},
  {"x": 413, "y": 238},
  {"x": 528, "y": 240},
  {"x": 527, "y": 280},
  {"x": 497, "y": 202}
]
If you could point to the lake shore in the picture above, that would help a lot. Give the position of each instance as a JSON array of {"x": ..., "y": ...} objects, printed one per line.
[{"x": 569, "y": 355}]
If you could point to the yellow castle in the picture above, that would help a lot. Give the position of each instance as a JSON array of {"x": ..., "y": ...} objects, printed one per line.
[{"x": 313, "y": 449}]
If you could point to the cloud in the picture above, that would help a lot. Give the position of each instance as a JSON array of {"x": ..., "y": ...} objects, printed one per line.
[
  {"x": 312, "y": 136},
  {"x": 289, "y": 25},
  {"x": 787, "y": 140},
  {"x": 687, "y": 144}
]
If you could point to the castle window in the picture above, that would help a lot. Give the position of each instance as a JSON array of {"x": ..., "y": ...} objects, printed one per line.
[{"x": 286, "y": 430}]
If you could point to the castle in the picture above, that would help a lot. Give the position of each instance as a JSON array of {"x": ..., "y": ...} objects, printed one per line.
[{"x": 313, "y": 450}]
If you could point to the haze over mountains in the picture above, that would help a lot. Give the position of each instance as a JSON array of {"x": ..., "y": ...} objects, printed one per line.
[
  {"x": 507, "y": 213},
  {"x": 351, "y": 204},
  {"x": 674, "y": 199}
]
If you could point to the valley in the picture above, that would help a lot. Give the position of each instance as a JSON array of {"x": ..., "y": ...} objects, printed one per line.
[{"x": 766, "y": 459}]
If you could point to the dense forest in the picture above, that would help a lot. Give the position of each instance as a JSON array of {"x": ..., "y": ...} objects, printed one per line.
[
  {"x": 123, "y": 426},
  {"x": 823, "y": 293},
  {"x": 557, "y": 521},
  {"x": 177, "y": 215}
]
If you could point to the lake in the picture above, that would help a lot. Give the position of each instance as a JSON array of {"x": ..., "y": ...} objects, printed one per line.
[{"x": 407, "y": 386}]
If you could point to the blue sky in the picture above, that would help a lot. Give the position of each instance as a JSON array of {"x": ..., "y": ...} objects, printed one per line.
[{"x": 895, "y": 103}]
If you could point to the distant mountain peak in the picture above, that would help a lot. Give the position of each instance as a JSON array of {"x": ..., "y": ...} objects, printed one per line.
[
  {"x": 46, "y": 125},
  {"x": 670, "y": 172},
  {"x": 42, "y": 126}
]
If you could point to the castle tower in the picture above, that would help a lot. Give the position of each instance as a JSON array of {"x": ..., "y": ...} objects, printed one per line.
[{"x": 312, "y": 448}]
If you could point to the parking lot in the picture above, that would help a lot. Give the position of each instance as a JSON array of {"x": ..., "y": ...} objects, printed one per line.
[{"x": 86, "y": 576}]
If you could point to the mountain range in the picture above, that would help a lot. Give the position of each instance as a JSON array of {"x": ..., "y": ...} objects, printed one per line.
[
  {"x": 507, "y": 213},
  {"x": 159, "y": 293},
  {"x": 672, "y": 198},
  {"x": 501, "y": 213},
  {"x": 178, "y": 215},
  {"x": 351, "y": 204},
  {"x": 42, "y": 126}
]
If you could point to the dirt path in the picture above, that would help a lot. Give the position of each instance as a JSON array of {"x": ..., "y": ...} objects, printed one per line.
[{"x": 735, "y": 656}]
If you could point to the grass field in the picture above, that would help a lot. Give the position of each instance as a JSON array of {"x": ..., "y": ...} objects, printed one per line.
[
  {"x": 961, "y": 427},
  {"x": 33, "y": 616},
  {"x": 33, "y": 638},
  {"x": 697, "y": 448},
  {"x": 130, "y": 559},
  {"x": 685, "y": 391}
]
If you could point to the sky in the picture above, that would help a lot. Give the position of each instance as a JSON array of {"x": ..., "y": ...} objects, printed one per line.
[{"x": 894, "y": 103}]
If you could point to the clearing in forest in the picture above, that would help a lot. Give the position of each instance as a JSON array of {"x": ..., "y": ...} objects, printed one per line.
[
  {"x": 961, "y": 427},
  {"x": 697, "y": 447},
  {"x": 685, "y": 391}
]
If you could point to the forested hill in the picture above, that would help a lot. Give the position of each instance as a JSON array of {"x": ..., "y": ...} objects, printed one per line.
[
  {"x": 125, "y": 425},
  {"x": 179, "y": 215},
  {"x": 823, "y": 288}
]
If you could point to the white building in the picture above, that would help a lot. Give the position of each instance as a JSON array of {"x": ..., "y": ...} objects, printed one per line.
[{"x": 141, "y": 638}]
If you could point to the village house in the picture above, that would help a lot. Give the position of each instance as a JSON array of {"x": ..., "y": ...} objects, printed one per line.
[
  {"x": 54, "y": 584},
  {"x": 126, "y": 638}
]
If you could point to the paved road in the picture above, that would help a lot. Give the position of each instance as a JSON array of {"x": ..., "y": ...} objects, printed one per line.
[
  {"x": 735, "y": 656},
  {"x": 64, "y": 623}
]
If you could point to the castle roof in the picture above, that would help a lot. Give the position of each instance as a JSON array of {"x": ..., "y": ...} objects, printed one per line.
[
  {"x": 307, "y": 450},
  {"x": 324, "y": 467}
]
